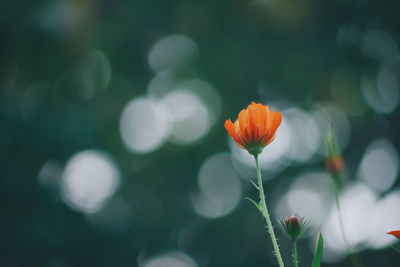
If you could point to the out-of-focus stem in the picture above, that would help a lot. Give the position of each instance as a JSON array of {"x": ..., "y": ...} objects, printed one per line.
[
  {"x": 294, "y": 253},
  {"x": 266, "y": 215},
  {"x": 353, "y": 255}
]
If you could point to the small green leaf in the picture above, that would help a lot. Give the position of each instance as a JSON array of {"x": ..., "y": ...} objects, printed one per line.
[
  {"x": 254, "y": 185},
  {"x": 318, "y": 251},
  {"x": 255, "y": 203}
]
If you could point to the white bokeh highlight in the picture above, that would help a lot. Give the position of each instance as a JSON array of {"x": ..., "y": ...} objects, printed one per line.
[
  {"x": 220, "y": 189},
  {"x": 380, "y": 45},
  {"x": 144, "y": 125},
  {"x": 169, "y": 259},
  {"x": 379, "y": 166},
  {"x": 90, "y": 177},
  {"x": 384, "y": 218},
  {"x": 310, "y": 196},
  {"x": 382, "y": 92},
  {"x": 172, "y": 51},
  {"x": 330, "y": 116},
  {"x": 189, "y": 115},
  {"x": 305, "y": 137}
]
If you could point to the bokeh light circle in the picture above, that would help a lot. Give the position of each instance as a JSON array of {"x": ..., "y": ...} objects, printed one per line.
[
  {"x": 89, "y": 179},
  {"x": 382, "y": 92},
  {"x": 219, "y": 186},
  {"x": 379, "y": 167},
  {"x": 144, "y": 125},
  {"x": 310, "y": 195},
  {"x": 172, "y": 51},
  {"x": 190, "y": 117},
  {"x": 169, "y": 259},
  {"x": 330, "y": 116},
  {"x": 305, "y": 137}
]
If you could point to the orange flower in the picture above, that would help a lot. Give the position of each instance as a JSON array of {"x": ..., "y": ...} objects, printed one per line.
[
  {"x": 394, "y": 233},
  {"x": 255, "y": 127}
]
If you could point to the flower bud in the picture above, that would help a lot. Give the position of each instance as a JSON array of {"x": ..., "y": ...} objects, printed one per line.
[
  {"x": 294, "y": 226},
  {"x": 334, "y": 165}
]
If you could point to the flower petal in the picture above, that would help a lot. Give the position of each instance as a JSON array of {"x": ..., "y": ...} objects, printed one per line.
[
  {"x": 255, "y": 127},
  {"x": 395, "y": 233}
]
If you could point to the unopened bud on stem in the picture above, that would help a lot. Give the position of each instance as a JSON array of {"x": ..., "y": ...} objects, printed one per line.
[
  {"x": 294, "y": 226},
  {"x": 334, "y": 165}
]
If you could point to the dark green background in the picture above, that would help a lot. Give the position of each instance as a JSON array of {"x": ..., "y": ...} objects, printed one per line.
[{"x": 292, "y": 45}]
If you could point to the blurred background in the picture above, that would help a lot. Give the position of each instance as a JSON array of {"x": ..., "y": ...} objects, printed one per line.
[{"x": 112, "y": 146}]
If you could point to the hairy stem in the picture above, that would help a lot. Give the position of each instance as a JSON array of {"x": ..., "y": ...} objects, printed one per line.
[
  {"x": 294, "y": 253},
  {"x": 266, "y": 215}
]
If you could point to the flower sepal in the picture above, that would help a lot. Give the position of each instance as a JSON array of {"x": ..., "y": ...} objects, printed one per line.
[
  {"x": 255, "y": 150},
  {"x": 294, "y": 226}
]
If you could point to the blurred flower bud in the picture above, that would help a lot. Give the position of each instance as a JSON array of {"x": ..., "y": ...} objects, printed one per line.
[
  {"x": 334, "y": 165},
  {"x": 294, "y": 226},
  {"x": 394, "y": 233}
]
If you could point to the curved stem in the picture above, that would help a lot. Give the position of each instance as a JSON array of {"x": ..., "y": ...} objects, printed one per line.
[
  {"x": 263, "y": 206},
  {"x": 341, "y": 225},
  {"x": 353, "y": 256},
  {"x": 294, "y": 253}
]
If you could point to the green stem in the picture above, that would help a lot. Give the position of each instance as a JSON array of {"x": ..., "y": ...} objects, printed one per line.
[
  {"x": 266, "y": 215},
  {"x": 353, "y": 255},
  {"x": 294, "y": 253}
]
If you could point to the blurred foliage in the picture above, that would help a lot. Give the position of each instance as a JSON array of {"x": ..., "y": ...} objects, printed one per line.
[{"x": 287, "y": 50}]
